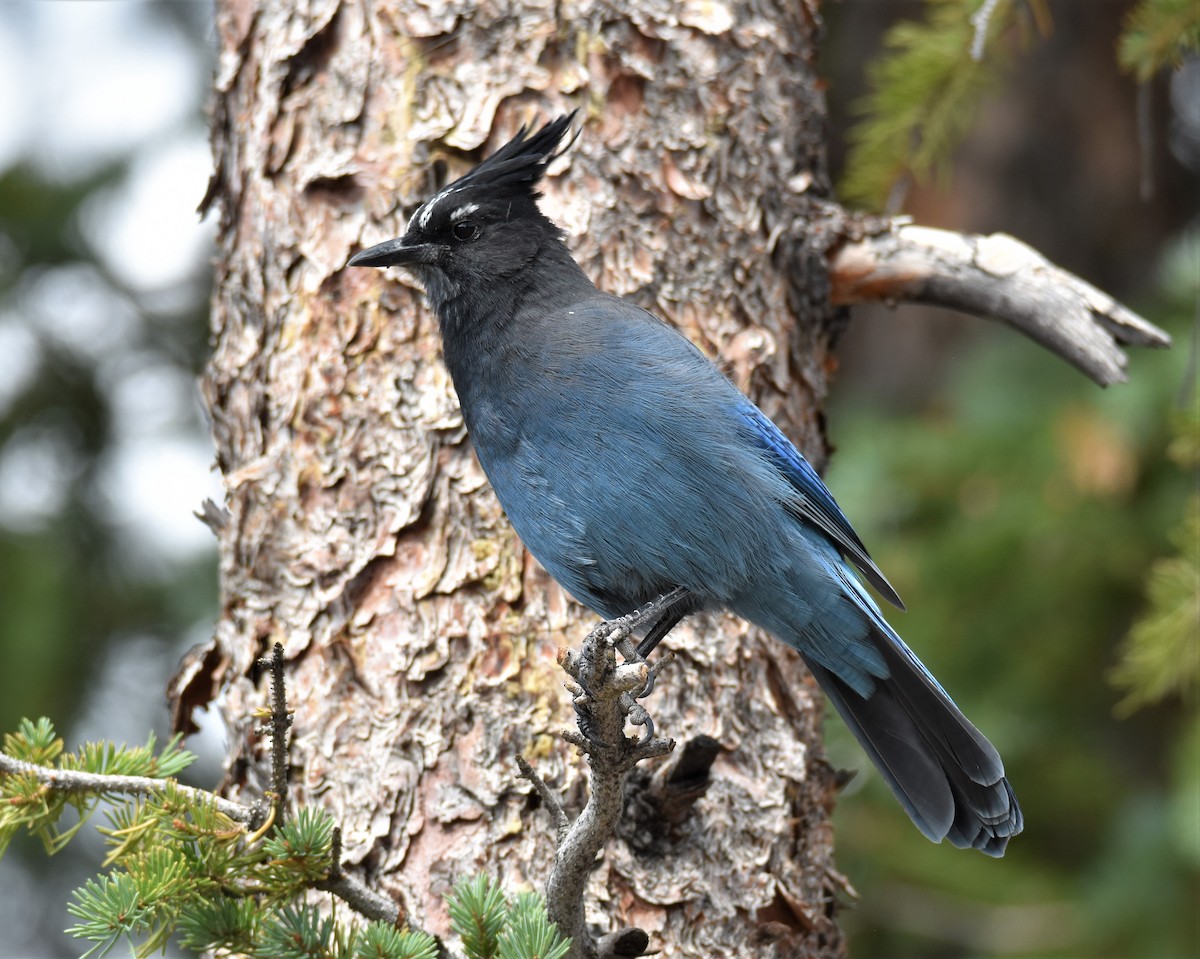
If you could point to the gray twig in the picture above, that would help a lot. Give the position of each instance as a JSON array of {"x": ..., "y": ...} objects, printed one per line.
[
  {"x": 363, "y": 900},
  {"x": 366, "y": 902},
  {"x": 994, "y": 276},
  {"x": 980, "y": 20},
  {"x": 561, "y": 823},
  {"x": 604, "y": 695},
  {"x": 75, "y": 781}
]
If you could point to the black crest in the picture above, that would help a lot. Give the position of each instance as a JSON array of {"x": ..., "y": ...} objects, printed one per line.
[{"x": 516, "y": 167}]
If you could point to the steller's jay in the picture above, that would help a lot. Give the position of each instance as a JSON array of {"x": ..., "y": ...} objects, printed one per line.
[{"x": 632, "y": 469}]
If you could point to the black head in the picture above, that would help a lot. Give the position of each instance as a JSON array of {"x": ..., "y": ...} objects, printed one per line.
[{"x": 485, "y": 225}]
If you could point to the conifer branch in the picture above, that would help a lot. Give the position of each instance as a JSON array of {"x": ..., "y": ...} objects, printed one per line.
[
  {"x": 259, "y": 818},
  {"x": 77, "y": 782}
]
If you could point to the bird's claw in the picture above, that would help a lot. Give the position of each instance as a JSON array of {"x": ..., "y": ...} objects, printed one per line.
[{"x": 638, "y": 716}]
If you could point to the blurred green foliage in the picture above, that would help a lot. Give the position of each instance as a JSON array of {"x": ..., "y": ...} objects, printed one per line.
[
  {"x": 1162, "y": 655},
  {"x": 925, "y": 90},
  {"x": 1158, "y": 34},
  {"x": 1018, "y": 517},
  {"x": 86, "y": 607},
  {"x": 927, "y": 84},
  {"x": 66, "y": 583}
]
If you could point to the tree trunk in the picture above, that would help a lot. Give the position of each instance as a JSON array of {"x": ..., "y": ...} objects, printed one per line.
[{"x": 362, "y": 534}]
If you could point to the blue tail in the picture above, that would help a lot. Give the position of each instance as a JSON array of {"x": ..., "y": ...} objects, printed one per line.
[
  {"x": 944, "y": 772},
  {"x": 947, "y": 776}
]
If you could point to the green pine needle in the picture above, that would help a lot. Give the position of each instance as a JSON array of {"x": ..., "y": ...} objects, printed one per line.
[
  {"x": 381, "y": 941},
  {"x": 223, "y": 923},
  {"x": 477, "y": 914},
  {"x": 529, "y": 933},
  {"x": 131, "y": 827},
  {"x": 298, "y": 932},
  {"x": 34, "y": 742},
  {"x": 27, "y": 804},
  {"x": 925, "y": 95},
  {"x": 120, "y": 905},
  {"x": 119, "y": 760},
  {"x": 301, "y": 850},
  {"x": 1158, "y": 34}
]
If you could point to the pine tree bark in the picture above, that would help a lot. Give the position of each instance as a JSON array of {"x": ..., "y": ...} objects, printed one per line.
[{"x": 361, "y": 531}]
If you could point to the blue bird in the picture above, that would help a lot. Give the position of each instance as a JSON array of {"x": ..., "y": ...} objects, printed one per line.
[{"x": 632, "y": 468}]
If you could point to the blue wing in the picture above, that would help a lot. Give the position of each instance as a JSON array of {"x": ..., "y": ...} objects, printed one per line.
[{"x": 814, "y": 503}]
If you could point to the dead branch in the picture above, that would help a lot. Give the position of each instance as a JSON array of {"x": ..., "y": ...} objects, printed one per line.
[
  {"x": 281, "y": 721},
  {"x": 996, "y": 277},
  {"x": 363, "y": 900},
  {"x": 605, "y": 699}
]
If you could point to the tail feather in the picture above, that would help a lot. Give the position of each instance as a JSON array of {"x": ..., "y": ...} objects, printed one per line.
[
  {"x": 947, "y": 776},
  {"x": 944, "y": 772}
]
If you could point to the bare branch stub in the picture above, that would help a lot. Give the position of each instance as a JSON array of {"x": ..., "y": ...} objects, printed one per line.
[
  {"x": 998, "y": 277},
  {"x": 623, "y": 942},
  {"x": 281, "y": 721},
  {"x": 605, "y": 695},
  {"x": 366, "y": 902},
  {"x": 215, "y": 517},
  {"x": 658, "y": 801}
]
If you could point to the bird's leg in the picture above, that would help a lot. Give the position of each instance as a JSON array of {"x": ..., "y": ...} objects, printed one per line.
[
  {"x": 591, "y": 671},
  {"x": 663, "y": 608},
  {"x": 669, "y": 609},
  {"x": 662, "y": 615},
  {"x": 646, "y": 646},
  {"x": 658, "y": 632},
  {"x": 598, "y": 679}
]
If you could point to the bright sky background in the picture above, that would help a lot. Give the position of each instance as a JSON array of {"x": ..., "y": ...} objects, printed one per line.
[{"x": 83, "y": 82}]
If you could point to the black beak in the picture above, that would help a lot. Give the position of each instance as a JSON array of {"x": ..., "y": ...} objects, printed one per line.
[{"x": 393, "y": 253}]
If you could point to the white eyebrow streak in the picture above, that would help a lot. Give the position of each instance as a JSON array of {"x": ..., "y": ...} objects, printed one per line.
[
  {"x": 465, "y": 210},
  {"x": 425, "y": 213}
]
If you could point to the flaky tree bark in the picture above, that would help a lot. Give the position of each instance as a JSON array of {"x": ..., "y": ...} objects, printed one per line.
[{"x": 361, "y": 532}]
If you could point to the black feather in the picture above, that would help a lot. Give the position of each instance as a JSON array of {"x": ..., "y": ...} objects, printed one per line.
[{"x": 517, "y": 167}]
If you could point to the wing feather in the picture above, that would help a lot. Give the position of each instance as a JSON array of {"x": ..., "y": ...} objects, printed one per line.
[{"x": 814, "y": 503}]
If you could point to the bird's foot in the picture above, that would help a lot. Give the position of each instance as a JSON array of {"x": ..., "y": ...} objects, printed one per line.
[
  {"x": 659, "y": 609},
  {"x": 660, "y": 616},
  {"x": 605, "y": 691}
]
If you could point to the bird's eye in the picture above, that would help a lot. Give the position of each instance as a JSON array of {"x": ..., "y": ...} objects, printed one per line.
[{"x": 464, "y": 230}]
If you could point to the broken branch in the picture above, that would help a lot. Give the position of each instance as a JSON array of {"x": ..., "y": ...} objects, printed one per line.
[{"x": 998, "y": 277}]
